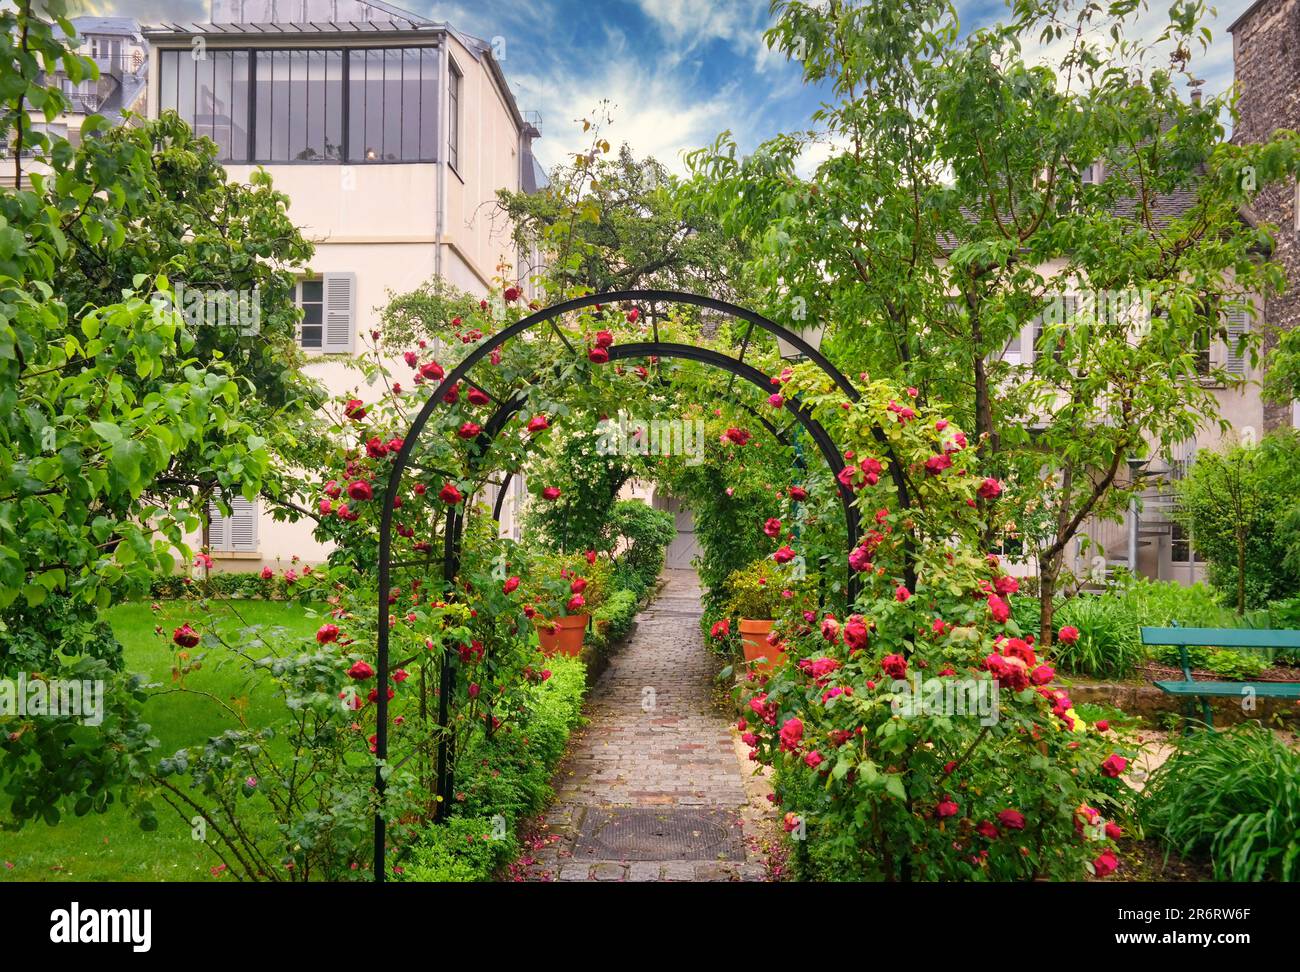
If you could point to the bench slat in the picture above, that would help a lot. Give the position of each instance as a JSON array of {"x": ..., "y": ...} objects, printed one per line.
[
  {"x": 1221, "y": 637},
  {"x": 1270, "y": 690}
]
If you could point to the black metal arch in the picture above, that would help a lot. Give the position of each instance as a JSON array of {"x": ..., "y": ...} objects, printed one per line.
[{"x": 452, "y": 527}]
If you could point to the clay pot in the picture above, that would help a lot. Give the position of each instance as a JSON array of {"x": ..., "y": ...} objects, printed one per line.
[
  {"x": 565, "y": 638},
  {"x": 753, "y": 635}
]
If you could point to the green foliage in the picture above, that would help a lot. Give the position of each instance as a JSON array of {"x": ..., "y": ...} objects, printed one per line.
[
  {"x": 462, "y": 850},
  {"x": 640, "y": 535},
  {"x": 1239, "y": 505},
  {"x": 757, "y": 591},
  {"x": 613, "y": 619},
  {"x": 1108, "y": 645},
  {"x": 232, "y": 584},
  {"x": 550, "y": 579},
  {"x": 1233, "y": 795}
]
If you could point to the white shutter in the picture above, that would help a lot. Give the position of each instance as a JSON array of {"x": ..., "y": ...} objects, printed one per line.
[
  {"x": 340, "y": 294},
  {"x": 1234, "y": 360},
  {"x": 236, "y": 533}
]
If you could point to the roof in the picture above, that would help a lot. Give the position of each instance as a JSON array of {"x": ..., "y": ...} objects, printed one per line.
[
  {"x": 1246, "y": 14},
  {"x": 120, "y": 26}
]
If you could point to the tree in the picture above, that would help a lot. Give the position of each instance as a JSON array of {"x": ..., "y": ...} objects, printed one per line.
[
  {"x": 1235, "y": 503},
  {"x": 957, "y": 201}
]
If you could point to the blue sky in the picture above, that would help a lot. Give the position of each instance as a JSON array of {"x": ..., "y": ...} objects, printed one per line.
[{"x": 677, "y": 72}]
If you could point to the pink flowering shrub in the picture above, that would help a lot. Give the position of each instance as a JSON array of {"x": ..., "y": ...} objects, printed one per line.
[{"x": 920, "y": 736}]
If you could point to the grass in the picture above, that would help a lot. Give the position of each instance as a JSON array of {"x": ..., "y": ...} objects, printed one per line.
[{"x": 111, "y": 846}]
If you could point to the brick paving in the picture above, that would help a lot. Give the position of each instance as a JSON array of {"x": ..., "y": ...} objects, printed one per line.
[{"x": 654, "y": 739}]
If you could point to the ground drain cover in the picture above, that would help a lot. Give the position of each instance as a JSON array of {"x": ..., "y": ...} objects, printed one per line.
[{"x": 648, "y": 834}]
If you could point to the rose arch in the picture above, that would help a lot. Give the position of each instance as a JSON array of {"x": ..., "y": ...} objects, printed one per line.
[{"x": 509, "y": 407}]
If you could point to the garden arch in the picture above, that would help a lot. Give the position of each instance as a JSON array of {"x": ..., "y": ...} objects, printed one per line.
[{"x": 506, "y": 410}]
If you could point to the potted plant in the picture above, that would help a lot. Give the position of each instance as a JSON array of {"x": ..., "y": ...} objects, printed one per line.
[
  {"x": 564, "y": 593},
  {"x": 756, "y": 596}
]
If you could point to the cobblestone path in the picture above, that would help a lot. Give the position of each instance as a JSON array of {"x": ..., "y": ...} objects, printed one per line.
[{"x": 653, "y": 787}]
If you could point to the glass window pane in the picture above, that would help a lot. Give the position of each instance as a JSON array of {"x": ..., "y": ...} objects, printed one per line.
[
  {"x": 333, "y": 101},
  {"x": 239, "y": 107},
  {"x": 429, "y": 103},
  {"x": 313, "y": 290},
  {"x": 411, "y": 92},
  {"x": 392, "y": 105},
  {"x": 374, "y": 105},
  {"x": 167, "y": 66}
]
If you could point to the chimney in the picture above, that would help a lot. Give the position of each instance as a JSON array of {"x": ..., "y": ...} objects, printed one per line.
[{"x": 1195, "y": 87}]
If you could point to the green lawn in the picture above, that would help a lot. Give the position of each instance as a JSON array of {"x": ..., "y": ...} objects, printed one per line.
[{"x": 111, "y": 847}]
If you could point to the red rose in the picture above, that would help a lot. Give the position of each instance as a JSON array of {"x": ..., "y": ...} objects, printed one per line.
[
  {"x": 937, "y": 464},
  {"x": 538, "y": 423},
  {"x": 988, "y": 830},
  {"x": 355, "y": 409},
  {"x": 830, "y": 629},
  {"x": 361, "y": 670},
  {"x": 855, "y": 633},
  {"x": 633, "y": 315},
  {"x": 591, "y": 556},
  {"x": 1114, "y": 765},
  {"x": 946, "y": 808},
  {"x": 895, "y": 666},
  {"x": 469, "y": 430},
  {"x": 999, "y": 609},
  {"x": 1042, "y": 675},
  {"x": 1102, "y": 725},
  {"x": 721, "y": 628},
  {"x": 185, "y": 636},
  {"x": 478, "y": 396},
  {"x": 1068, "y": 634},
  {"x": 990, "y": 488},
  {"x": 1106, "y": 863},
  {"x": 511, "y": 585},
  {"x": 449, "y": 494},
  {"x": 737, "y": 436},
  {"x": 578, "y": 586},
  {"x": 512, "y": 294},
  {"x": 784, "y": 555},
  {"x": 776, "y": 401},
  {"x": 376, "y": 448},
  {"x": 419, "y": 489},
  {"x": 798, "y": 493},
  {"x": 860, "y": 559},
  {"x": 327, "y": 633},
  {"x": 411, "y": 358},
  {"x": 772, "y": 527},
  {"x": 360, "y": 490},
  {"x": 598, "y": 355},
  {"x": 902, "y": 594},
  {"x": 452, "y": 395},
  {"x": 604, "y": 339},
  {"x": 332, "y": 489},
  {"x": 813, "y": 759},
  {"x": 268, "y": 573},
  {"x": 551, "y": 493},
  {"x": 1012, "y": 819},
  {"x": 791, "y": 734},
  {"x": 576, "y": 603}
]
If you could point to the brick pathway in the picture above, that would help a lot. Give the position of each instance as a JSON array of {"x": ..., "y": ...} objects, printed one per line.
[{"x": 654, "y": 740}]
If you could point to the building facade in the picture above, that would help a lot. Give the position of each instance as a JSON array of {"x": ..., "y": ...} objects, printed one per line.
[{"x": 390, "y": 134}]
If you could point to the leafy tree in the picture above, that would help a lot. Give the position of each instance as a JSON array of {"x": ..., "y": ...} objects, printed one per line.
[
  {"x": 951, "y": 207},
  {"x": 1235, "y": 502}
]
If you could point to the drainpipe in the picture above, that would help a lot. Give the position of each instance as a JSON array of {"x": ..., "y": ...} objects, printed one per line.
[
  {"x": 444, "y": 106},
  {"x": 1133, "y": 536}
]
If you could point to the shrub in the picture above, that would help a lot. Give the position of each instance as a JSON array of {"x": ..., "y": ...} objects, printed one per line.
[
  {"x": 550, "y": 580},
  {"x": 1234, "y": 795},
  {"x": 757, "y": 591},
  {"x": 461, "y": 850},
  {"x": 1108, "y": 645},
  {"x": 613, "y": 619},
  {"x": 642, "y": 534}
]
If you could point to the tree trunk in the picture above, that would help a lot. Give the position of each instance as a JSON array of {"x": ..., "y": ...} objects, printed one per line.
[
  {"x": 1241, "y": 574},
  {"x": 1048, "y": 573}
]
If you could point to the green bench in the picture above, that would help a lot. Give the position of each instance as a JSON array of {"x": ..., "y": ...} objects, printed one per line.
[{"x": 1252, "y": 638}]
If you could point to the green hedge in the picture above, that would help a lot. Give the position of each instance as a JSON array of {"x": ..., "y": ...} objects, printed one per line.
[
  {"x": 174, "y": 587},
  {"x": 500, "y": 781}
]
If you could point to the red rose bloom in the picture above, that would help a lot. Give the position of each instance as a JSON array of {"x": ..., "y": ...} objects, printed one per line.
[
  {"x": 895, "y": 666},
  {"x": 355, "y": 409},
  {"x": 990, "y": 489},
  {"x": 1068, "y": 634},
  {"x": 604, "y": 339},
  {"x": 360, "y": 490},
  {"x": 855, "y": 633},
  {"x": 538, "y": 423},
  {"x": 784, "y": 555},
  {"x": 1106, "y": 863},
  {"x": 946, "y": 808},
  {"x": 185, "y": 636},
  {"x": 361, "y": 670},
  {"x": 598, "y": 355},
  {"x": 477, "y": 396},
  {"x": 772, "y": 527},
  {"x": 791, "y": 734},
  {"x": 988, "y": 830},
  {"x": 449, "y": 494},
  {"x": 1012, "y": 819},
  {"x": 327, "y": 633},
  {"x": 798, "y": 494},
  {"x": 511, "y": 584},
  {"x": 551, "y": 493},
  {"x": 1114, "y": 765},
  {"x": 469, "y": 430}
]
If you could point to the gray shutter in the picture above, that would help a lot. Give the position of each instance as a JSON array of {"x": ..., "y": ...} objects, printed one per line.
[
  {"x": 1234, "y": 361},
  {"x": 236, "y": 533},
  {"x": 340, "y": 296}
]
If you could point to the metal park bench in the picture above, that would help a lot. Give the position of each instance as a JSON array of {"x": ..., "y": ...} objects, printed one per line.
[{"x": 1249, "y": 638}]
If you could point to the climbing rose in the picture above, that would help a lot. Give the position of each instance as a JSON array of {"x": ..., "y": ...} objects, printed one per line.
[
  {"x": 432, "y": 371},
  {"x": 376, "y": 448},
  {"x": 813, "y": 759},
  {"x": 511, "y": 584},
  {"x": 784, "y": 555},
  {"x": 604, "y": 339},
  {"x": 859, "y": 559},
  {"x": 1042, "y": 675},
  {"x": 185, "y": 636},
  {"x": 946, "y": 808},
  {"x": 798, "y": 493},
  {"x": 332, "y": 489},
  {"x": 551, "y": 493},
  {"x": 937, "y": 464},
  {"x": 469, "y": 430},
  {"x": 772, "y": 527},
  {"x": 830, "y": 629},
  {"x": 895, "y": 666},
  {"x": 988, "y": 829},
  {"x": 411, "y": 358},
  {"x": 578, "y": 586},
  {"x": 1068, "y": 634},
  {"x": 1114, "y": 765},
  {"x": 598, "y": 355},
  {"x": 901, "y": 594},
  {"x": 267, "y": 573},
  {"x": 632, "y": 315},
  {"x": 576, "y": 603},
  {"x": 738, "y": 436},
  {"x": 538, "y": 423},
  {"x": 326, "y": 507},
  {"x": 1102, "y": 725},
  {"x": 355, "y": 409},
  {"x": 1106, "y": 863},
  {"x": 791, "y": 733},
  {"x": 327, "y": 633},
  {"x": 361, "y": 670},
  {"x": 477, "y": 396},
  {"x": 360, "y": 490},
  {"x": 990, "y": 489},
  {"x": 776, "y": 401},
  {"x": 511, "y": 294},
  {"x": 449, "y": 494},
  {"x": 591, "y": 556},
  {"x": 855, "y": 633},
  {"x": 721, "y": 628},
  {"x": 999, "y": 609},
  {"x": 1012, "y": 819}
]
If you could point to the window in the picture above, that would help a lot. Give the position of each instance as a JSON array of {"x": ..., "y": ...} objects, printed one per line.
[
  {"x": 1235, "y": 325},
  {"x": 328, "y": 312},
  {"x": 1180, "y": 546},
  {"x": 1201, "y": 348},
  {"x": 453, "y": 115},
  {"x": 236, "y": 533},
  {"x": 308, "y": 105},
  {"x": 1050, "y": 325}
]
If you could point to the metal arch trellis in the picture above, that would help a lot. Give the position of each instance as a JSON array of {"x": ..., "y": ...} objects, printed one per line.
[{"x": 452, "y": 528}]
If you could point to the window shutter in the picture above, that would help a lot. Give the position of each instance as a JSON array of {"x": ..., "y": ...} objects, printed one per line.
[
  {"x": 1234, "y": 361},
  {"x": 236, "y": 533},
  {"x": 340, "y": 311}
]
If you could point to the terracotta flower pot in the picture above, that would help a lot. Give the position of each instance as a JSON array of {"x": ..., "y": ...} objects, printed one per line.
[
  {"x": 563, "y": 635},
  {"x": 753, "y": 636}
]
